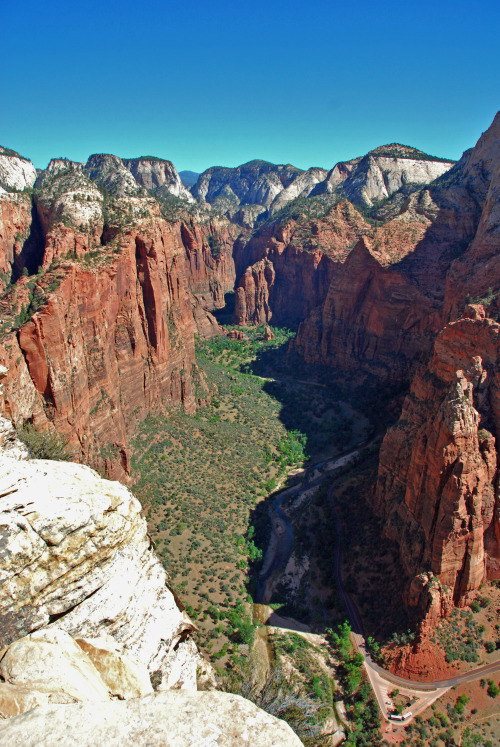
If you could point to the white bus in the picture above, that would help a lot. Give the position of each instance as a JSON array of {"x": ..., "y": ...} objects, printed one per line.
[{"x": 402, "y": 717}]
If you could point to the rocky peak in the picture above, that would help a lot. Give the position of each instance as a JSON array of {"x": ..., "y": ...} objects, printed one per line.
[
  {"x": 61, "y": 164},
  {"x": 16, "y": 173},
  {"x": 65, "y": 194},
  {"x": 484, "y": 159},
  {"x": 383, "y": 171},
  {"x": 437, "y": 472},
  {"x": 157, "y": 174},
  {"x": 335, "y": 176},
  {"x": 253, "y": 183},
  {"x": 108, "y": 171}
]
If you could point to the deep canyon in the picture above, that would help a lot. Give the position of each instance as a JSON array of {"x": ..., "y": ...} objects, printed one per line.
[{"x": 361, "y": 310}]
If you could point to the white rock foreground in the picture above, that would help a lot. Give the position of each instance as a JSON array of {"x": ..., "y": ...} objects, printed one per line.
[
  {"x": 86, "y": 617},
  {"x": 169, "y": 719},
  {"x": 75, "y": 554}
]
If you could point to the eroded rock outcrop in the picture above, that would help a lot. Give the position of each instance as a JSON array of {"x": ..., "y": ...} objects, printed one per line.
[
  {"x": 16, "y": 173},
  {"x": 437, "y": 485},
  {"x": 77, "y": 559},
  {"x": 157, "y": 174}
]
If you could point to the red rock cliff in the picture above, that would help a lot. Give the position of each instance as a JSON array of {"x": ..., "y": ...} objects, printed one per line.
[
  {"x": 105, "y": 332},
  {"x": 437, "y": 475}
]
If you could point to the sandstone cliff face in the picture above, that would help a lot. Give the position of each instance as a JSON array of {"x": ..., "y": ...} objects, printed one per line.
[
  {"x": 478, "y": 269},
  {"x": 156, "y": 173},
  {"x": 286, "y": 267},
  {"x": 104, "y": 332},
  {"x": 76, "y": 557},
  {"x": 295, "y": 261},
  {"x": 377, "y": 176},
  {"x": 15, "y": 226},
  {"x": 302, "y": 186},
  {"x": 371, "y": 318},
  {"x": 113, "y": 340},
  {"x": 437, "y": 484},
  {"x": 437, "y": 475},
  {"x": 419, "y": 237},
  {"x": 110, "y": 172},
  {"x": 16, "y": 173}
]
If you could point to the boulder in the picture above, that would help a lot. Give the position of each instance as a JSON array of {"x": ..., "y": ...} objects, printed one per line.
[{"x": 50, "y": 661}]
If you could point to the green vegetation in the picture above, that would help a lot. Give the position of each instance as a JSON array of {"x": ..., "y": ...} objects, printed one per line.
[
  {"x": 449, "y": 729},
  {"x": 493, "y": 689},
  {"x": 490, "y": 299},
  {"x": 361, "y": 707},
  {"x": 306, "y": 660},
  {"x": 201, "y": 478},
  {"x": 460, "y": 636},
  {"x": 44, "y": 444},
  {"x": 37, "y": 298},
  {"x": 305, "y": 208},
  {"x": 282, "y": 695}
]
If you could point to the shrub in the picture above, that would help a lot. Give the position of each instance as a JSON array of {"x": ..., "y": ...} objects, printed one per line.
[
  {"x": 493, "y": 689},
  {"x": 281, "y": 697},
  {"x": 44, "y": 444}
]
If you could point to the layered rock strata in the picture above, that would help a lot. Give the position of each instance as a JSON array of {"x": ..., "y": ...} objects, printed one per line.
[
  {"x": 104, "y": 332},
  {"x": 437, "y": 483},
  {"x": 76, "y": 557}
]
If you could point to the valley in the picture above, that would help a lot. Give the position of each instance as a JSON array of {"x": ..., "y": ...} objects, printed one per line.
[{"x": 296, "y": 373}]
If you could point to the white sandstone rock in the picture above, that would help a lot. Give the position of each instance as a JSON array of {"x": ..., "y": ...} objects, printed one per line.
[
  {"x": 50, "y": 661},
  {"x": 16, "y": 172},
  {"x": 75, "y": 546},
  {"x": 170, "y": 719},
  {"x": 122, "y": 675}
]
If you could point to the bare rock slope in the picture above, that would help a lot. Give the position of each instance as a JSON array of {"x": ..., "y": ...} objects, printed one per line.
[
  {"x": 76, "y": 555},
  {"x": 169, "y": 719}
]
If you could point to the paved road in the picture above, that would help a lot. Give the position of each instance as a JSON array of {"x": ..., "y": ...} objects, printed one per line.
[{"x": 357, "y": 629}]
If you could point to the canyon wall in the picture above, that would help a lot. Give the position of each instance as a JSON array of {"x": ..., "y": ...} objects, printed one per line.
[
  {"x": 437, "y": 483},
  {"x": 104, "y": 331}
]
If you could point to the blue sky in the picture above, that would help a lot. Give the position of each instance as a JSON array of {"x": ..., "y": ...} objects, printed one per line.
[{"x": 220, "y": 83}]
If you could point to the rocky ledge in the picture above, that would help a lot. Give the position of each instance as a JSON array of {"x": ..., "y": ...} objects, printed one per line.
[
  {"x": 171, "y": 719},
  {"x": 89, "y": 627},
  {"x": 76, "y": 555}
]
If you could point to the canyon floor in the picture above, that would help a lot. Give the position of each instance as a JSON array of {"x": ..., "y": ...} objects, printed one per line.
[{"x": 207, "y": 481}]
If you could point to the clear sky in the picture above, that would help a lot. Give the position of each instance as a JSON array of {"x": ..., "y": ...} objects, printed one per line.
[{"x": 221, "y": 83}]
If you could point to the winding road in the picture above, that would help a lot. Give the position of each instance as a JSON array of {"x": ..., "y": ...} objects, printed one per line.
[{"x": 381, "y": 680}]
